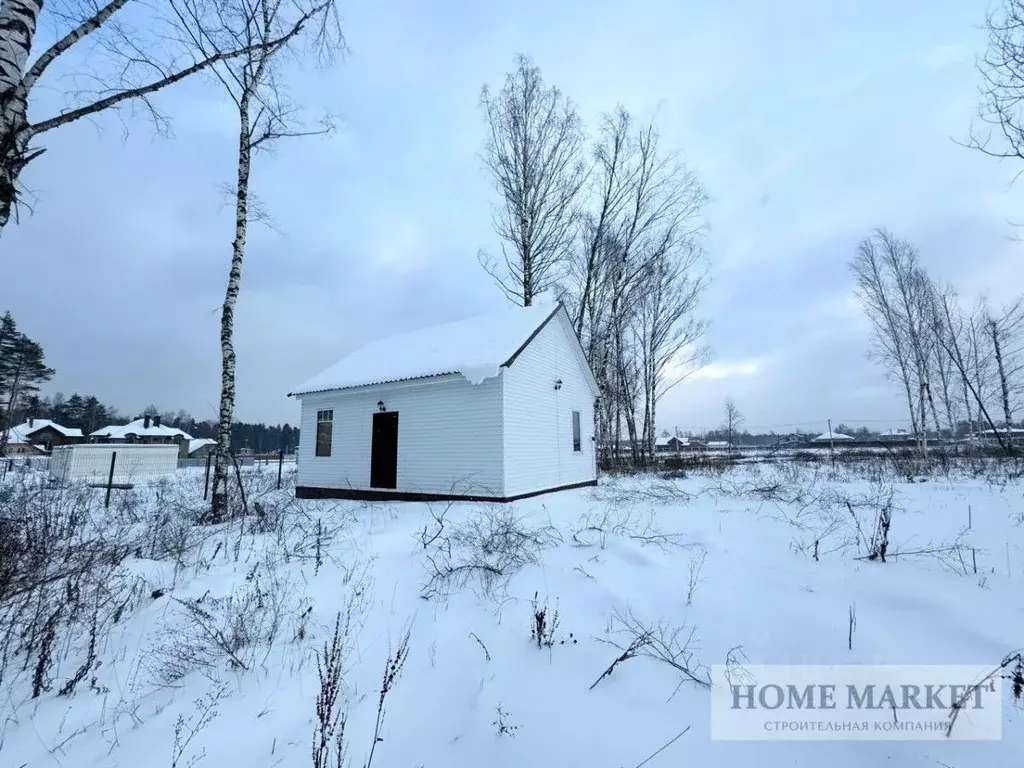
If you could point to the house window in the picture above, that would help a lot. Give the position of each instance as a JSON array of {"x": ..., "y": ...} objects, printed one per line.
[
  {"x": 576, "y": 432},
  {"x": 324, "y": 432}
]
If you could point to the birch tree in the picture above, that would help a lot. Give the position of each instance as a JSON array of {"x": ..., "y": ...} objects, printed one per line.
[
  {"x": 883, "y": 304},
  {"x": 1002, "y": 332},
  {"x": 733, "y": 420},
  {"x": 961, "y": 338},
  {"x": 668, "y": 331},
  {"x": 533, "y": 152},
  {"x": 268, "y": 30},
  {"x": 641, "y": 225},
  {"x": 126, "y": 64},
  {"x": 1001, "y": 94}
]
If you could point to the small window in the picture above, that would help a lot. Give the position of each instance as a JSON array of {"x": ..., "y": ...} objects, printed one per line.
[
  {"x": 324, "y": 432},
  {"x": 576, "y": 432}
]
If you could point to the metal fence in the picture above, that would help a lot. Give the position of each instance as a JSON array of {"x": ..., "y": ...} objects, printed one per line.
[
  {"x": 111, "y": 463},
  {"x": 201, "y": 463},
  {"x": 10, "y": 464}
]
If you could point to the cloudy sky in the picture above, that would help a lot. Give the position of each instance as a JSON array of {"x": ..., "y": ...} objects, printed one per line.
[{"x": 808, "y": 122}]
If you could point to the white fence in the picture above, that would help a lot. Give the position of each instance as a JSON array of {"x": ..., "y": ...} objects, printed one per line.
[{"x": 91, "y": 462}]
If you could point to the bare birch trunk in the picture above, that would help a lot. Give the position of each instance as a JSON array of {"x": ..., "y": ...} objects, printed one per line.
[
  {"x": 18, "y": 20},
  {"x": 221, "y": 471},
  {"x": 1004, "y": 387}
]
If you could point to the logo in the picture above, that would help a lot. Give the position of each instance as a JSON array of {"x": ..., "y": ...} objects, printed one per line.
[{"x": 855, "y": 702}]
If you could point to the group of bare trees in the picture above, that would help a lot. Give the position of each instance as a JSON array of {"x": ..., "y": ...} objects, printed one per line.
[
  {"x": 613, "y": 225},
  {"x": 139, "y": 49},
  {"x": 961, "y": 370}
]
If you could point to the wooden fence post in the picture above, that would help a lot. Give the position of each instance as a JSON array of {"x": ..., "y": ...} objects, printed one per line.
[
  {"x": 110, "y": 478},
  {"x": 206, "y": 480},
  {"x": 280, "y": 467}
]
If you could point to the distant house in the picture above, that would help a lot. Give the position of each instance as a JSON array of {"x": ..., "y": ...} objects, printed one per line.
[
  {"x": 832, "y": 437},
  {"x": 146, "y": 430},
  {"x": 18, "y": 444},
  {"x": 200, "y": 447},
  {"x": 496, "y": 407},
  {"x": 718, "y": 445},
  {"x": 790, "y": 441},
  {"x": 673, "y": 445},
  {"x": 46, "y": 434}
]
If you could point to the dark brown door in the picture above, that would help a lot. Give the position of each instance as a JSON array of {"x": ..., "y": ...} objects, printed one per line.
[{"x": 384, "y": 451}]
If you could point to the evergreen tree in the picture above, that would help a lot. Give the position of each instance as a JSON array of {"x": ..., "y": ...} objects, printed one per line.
[
  {"x": 74, "y": 411},
  {"x": 94, "y": 415},
  {"x": 22, "y": 370},
  {"x": 57, "y": 408}
]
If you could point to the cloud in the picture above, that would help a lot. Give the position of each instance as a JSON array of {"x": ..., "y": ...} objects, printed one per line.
[
  {"x": 809, "y": 124},
  {"x": 727, "y": 370}
]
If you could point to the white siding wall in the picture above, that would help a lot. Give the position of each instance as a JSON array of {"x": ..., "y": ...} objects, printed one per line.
[
  {"x": 449, "y": 436},
  {"x": 538, "y": 419}
]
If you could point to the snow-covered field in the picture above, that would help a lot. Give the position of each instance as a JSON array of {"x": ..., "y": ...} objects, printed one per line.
[{"x": 207, "y": 638}]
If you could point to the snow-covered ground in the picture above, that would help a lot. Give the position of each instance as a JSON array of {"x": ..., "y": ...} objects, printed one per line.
[{"x": 208, "y": 636}]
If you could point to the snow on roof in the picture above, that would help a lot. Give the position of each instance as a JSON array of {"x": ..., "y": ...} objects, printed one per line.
[
  {"x": 824, "y": 437},
  {"x": 139, "y": 428},
  {"x": 16, "y": 436},
  {"x": 199, "y": 442},
  {"x": 38, "y": 424},
  {"x": 476, "y": 347},
  {"x": 894, "y": 433}
]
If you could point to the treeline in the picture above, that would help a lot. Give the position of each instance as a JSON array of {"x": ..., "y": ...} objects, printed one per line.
[
  {"x": 955, "y": 362},
  {"x": 87, "y": 413},
  {"x": 23, "y": 370}
]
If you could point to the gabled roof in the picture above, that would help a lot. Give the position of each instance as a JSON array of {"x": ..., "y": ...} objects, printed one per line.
[
  {"x": 38, "y": 424},
  {"x": 824, "y": 437},
  {"x": 199, "y": 442},
  {"x": 477, "y": 348},
  {"x": 139, "y": 428},
  {"x": 16, "y": 436}
]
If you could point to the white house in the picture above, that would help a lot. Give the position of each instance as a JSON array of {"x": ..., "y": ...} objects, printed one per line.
[
  {"x": 832, "y": 437},
  {"x": 146, "y": 429},
  {"x": 496, "y": 407}
]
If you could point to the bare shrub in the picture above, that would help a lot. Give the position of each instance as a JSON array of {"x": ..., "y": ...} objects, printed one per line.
[
  {"x": 238, "y": 629},
  {"x": 61, "y": 579},
  {"x": 186, "y": 729},
  {"x": 544, "y": 624},
  {"x": 392, "y": 671},
  {"x": 502, "y": 725},
  {"x": 669, "y": 644},
  {"x": 488, "y": 547},
  {"x": 329, "y": 732},
  {"x": 594, "y": 528},
  {"x": 694, "y": 580},
  {"x": 1010, "y": 668}
]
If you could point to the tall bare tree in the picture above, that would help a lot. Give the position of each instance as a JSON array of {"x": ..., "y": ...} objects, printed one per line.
[
  {"x": 961, "y": 339},
  {"x": 534, "y": 154},
  {"x": 733, "y": 419},
  {"x": 1001, "y": 94},
  {"x": 128, "y": 63},
  {"x": 268, "y": 30},
  {"x": 612, "y": 177},
  {"x": 1002, "y": 332},
  {"x": 641, "y": 227},
  {"x": 892, "y": 289},
  {"x": 667, "y": 330}
]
